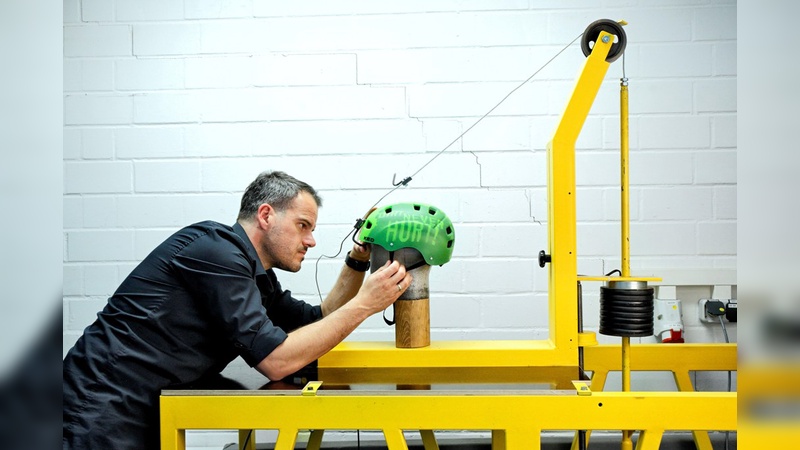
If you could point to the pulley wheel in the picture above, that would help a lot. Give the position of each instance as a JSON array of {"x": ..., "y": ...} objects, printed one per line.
[{"x": 592, "y": 33}]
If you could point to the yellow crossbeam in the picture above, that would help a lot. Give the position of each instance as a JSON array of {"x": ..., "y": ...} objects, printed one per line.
[{"x": 522, "y": 423}]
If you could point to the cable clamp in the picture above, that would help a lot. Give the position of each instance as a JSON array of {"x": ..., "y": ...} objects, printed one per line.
[{"x": 404, "y": 182}]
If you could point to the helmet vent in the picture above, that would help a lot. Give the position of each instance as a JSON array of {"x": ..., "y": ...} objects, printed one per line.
[
  {"x": 449, "y": 230},
  {"x": 388, "y": 210},
  {"x": 450, "y": 243},
  {"x": 431, "y": 211},
  {"x": 417, "y": 207}
]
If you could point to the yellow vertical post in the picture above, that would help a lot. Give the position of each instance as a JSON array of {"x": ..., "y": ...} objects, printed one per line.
[
  {"x": 499, "y": 440},
  {"x": 561, "y": 216},
  {"x": 428, "y": 440},
  {"x": 287, "y": 437},
  {"x": 315, "y": 440},
  {"x": 247, "y": 439},
  {"x": 649, "y": 440},
  {"x": 523, "y": 438},
  {"x": 627, "y": 444},
  {"x": 624, "y": 181},
  {"x": 173, "y": 437},
  {"x": 395, "y": 440}
]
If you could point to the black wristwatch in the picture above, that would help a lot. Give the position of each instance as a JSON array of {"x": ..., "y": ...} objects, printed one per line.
[{"x": 358, "y": 266}]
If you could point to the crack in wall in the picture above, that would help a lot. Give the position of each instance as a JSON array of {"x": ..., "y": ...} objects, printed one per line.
[{"x": 529, "y": 197}]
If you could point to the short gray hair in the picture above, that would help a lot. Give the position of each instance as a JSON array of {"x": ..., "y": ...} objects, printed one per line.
[{"x": 276, "y": 188}]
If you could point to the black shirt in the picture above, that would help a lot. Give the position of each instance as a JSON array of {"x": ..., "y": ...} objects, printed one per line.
[{"x": 200, "y": 299}]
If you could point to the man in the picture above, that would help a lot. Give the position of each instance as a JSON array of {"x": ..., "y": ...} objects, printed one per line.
[{"x": 204, "y": 296}]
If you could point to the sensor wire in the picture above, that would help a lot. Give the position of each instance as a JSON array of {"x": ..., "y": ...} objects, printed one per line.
[
  {"x": 406, "y": 180},
  {"x": 495, "y": 106}
]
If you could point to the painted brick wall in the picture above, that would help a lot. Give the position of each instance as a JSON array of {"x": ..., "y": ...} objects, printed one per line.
[{"x": 172, "y": 107}]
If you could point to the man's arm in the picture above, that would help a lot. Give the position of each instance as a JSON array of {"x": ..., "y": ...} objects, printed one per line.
[
  {"x": 308, "y": 343},
  {"x": 348, "y": 283}
]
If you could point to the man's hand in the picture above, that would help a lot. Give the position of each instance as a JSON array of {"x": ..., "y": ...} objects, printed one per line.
[
  {"x": 308, "y": 343},
  {"x": 384, "y": 287}
]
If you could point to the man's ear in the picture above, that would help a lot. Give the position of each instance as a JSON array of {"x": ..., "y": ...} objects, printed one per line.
[{"x": 265, "y": 215}]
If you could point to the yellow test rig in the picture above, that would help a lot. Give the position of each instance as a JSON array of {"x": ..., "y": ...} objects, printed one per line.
[{"x": 504, "y": 401}]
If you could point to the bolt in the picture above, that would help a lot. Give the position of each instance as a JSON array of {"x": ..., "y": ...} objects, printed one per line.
[{"x": 606, "y": 38}]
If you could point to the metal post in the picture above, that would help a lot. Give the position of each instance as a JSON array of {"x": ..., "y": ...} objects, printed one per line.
[{"x": 627, "y": 444}]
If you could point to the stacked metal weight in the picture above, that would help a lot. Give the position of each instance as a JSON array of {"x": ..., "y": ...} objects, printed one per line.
[{"x": 626, "y": 309}]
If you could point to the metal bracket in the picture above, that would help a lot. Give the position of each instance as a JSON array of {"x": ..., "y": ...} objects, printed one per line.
[
  {"x": 582, "y": 387},
  {"x": 311, "y": 388},
  {"x": 587, "y": 338}
]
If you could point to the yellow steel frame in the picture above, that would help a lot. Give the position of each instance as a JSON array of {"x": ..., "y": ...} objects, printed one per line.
[
  {"x": 533, "y": 411},
  {"x": 680, "y": 359},
  {"x": 560, "y": 349}
]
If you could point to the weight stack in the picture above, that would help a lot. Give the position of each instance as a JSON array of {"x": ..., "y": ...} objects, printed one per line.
[{"x": 626, "y": 309}]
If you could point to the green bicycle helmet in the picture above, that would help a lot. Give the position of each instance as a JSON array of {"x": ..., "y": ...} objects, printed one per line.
[{"x": 411, "y": 225}]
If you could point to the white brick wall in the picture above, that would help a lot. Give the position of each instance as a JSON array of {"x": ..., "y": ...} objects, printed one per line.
[
  {"x": 98, "y": 109},
  {"x": 171, "y": 108}
]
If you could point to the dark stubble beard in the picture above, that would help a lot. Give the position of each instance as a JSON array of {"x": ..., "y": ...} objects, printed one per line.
[{"x": 277, "y": 264}]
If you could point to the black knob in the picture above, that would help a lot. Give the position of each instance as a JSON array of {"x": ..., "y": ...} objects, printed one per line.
[{"x": 544, "y": 258}]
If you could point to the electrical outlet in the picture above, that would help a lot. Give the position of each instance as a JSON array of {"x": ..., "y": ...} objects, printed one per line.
[
  {"x": 731, "y": 309},
  {"x": 709, "y": 310}
]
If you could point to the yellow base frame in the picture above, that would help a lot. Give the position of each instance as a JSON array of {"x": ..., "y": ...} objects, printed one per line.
[
  {"x": 516, "y": 420},
  {"x": 653, "y": 413},
  {"x": 680, "y": 359}
]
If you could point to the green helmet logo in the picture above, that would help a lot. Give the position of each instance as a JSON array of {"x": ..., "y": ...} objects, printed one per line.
[{"x": 422, "y": 227}]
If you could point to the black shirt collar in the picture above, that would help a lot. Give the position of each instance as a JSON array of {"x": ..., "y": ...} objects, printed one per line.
[{"x": 251, "y": 251}]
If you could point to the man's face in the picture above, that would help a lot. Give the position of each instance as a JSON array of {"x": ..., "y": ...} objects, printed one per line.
[{"x": 290, "y": 236}]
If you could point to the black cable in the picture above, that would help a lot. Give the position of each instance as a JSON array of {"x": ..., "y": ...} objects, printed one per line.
[
  {"x": 724, "y": 332},
  {"x": 727, "y": 341},
  {"x": 246, "y": 440},
  {"x": 495, "y": 106},
  {"x": 316, "y": 265},
  {"x": 581, "y": 372},
  {"x": 406, "y": 180}
]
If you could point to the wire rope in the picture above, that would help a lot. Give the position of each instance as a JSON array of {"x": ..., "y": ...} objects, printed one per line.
[{"x": 406, "y": 180}]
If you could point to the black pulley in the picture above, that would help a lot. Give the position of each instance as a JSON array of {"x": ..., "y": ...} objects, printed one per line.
[
  {"x": 592, "y": 33},
  {"x": 626, "y": 310}
]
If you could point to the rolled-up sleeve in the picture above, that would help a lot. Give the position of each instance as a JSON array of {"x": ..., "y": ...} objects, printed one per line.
[
  {"x": 264, "y": 341},
  {"x": 286, "y": 311}
]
